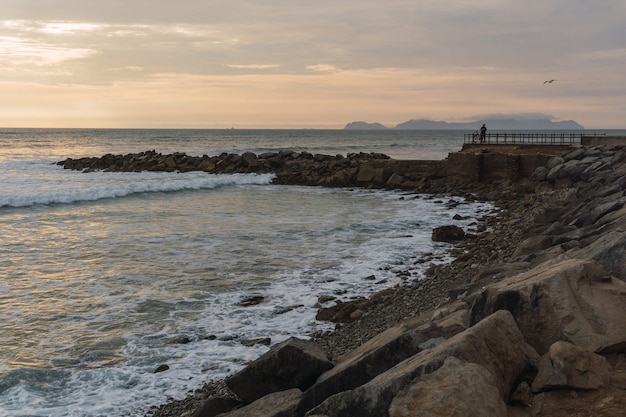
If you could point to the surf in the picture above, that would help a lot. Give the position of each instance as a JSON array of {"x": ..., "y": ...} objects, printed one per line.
[{"x": 71, "y": 187}]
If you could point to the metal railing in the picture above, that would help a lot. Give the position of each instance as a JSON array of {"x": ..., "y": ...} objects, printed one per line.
[{"x": 518, "y": 138}]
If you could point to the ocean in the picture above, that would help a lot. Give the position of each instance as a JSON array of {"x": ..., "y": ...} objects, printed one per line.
[{"x": 104, "y": 277}]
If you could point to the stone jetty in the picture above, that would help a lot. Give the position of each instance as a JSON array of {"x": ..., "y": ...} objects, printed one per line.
[
  {"x": 529, "y": 321},
  {"x": 289, "y": 167}
]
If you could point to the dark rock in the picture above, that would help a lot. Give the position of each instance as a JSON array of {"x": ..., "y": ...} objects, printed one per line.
[
  {"x": 180, "y": 340},
  {"x": 278, "y": 404},
  {"x": 251, "y": 301},
  {"x": 161, "y": 368},
  {"x": 385, "y": 350},
  {"x": 522, "y": 396},
  {"x": 283, "y": 310},
  {"x": 495, "y": 343},
  {"x": 450, "y": 233},
  {"x": 260, "y": 341},
  {"x": 293, "y": 363},
  {"x": 217, "y": 405},
  {"x": 342, "y": 312}
]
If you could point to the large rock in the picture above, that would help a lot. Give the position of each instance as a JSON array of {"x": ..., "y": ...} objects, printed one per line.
[
  {"x": 278, "y": 404},
  {"x": 294, "y": 363},
  {"x": 495, "y": 343},
  {"x": 568, "y": 366},
  {"x": 610, "y": 251},
  {"x": 446, "y": 392},
  {"x": 217, "y": 405},
  {"x": 574, "y": 300},
  {"x": 448, "y": 233},
  {"x": 386, "y": 350},
  {"x": 342, "y": 312},
  {"x": 532, "y": 245}
]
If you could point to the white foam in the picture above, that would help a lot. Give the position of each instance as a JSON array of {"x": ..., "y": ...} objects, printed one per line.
[
  {"x": 289, "y": 245},
  {"x": 24, "y": 186}
]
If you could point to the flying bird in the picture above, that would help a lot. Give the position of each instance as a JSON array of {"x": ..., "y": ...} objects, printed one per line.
[{"x": 549, "y": 81}]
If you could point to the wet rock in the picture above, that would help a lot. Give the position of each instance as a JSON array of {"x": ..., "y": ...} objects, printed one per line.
[
  {"x": 216, "y": 406},
  {"x": 161, "y": 368},
  {"x": 259, "y": 341},
  {"x": 341, "y": 312},
  {"x": 294, "y": 363},
  {"x": 251, "y": 301},
  {"x": 449, "y": 233},
  {"x": 278, "y": 404}
]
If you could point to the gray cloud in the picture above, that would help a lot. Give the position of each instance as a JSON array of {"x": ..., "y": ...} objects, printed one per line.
[
  {"x": 511, "y": 46},
  {"x": 351, "y": 34}
]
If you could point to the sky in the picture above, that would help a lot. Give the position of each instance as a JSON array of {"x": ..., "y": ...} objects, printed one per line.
[{"x": 315, "y": 64}]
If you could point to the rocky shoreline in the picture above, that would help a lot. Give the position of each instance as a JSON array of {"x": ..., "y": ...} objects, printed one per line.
[{"x": 527, "y": 321}]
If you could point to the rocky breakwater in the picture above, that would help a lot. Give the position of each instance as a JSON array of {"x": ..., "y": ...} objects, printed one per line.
[
  {"x": 538, "y": 330},
  {"x": 301, "y": 168}
]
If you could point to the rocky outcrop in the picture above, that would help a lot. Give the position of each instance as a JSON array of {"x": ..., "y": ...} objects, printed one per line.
[
  {"x": 301, "y": 168},
  {"x": 386, "y": 350},
  {"x": 277, "y": 404},
  {"x": 550, "y": 282},
  {"x": 573, "y": 300},
  {"x": 561, "y": 292},
  {"x": 495, "y": 344}
]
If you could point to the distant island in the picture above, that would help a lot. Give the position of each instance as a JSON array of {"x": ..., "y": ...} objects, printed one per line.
[{"x": 495, "y": 123}]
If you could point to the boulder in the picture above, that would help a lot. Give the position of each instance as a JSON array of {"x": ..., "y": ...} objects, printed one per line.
[
  {"x": 342, "y": 312},
  {"x": 539, "y": 174},
  {"x": 366, "y": 173},
  {"x": 544, "y": 187},
  {"x": 574, "y": 300},
  {"x": 364, "y": 363},
  {"x": 217, "y": 405},
  {"x": 554, "y": 161},
  {"x": 446, "y": 391},
  {"x": 604, "y": 207},
  {"x": 568, "y": 366},
  {"x": 608, "y": 249},
  {"x": 494, "y": 343},
  {"x": 294, "y": 363},
  {"x": 522, "y": 396},
  {"x": 574, "y": 154},
  {"x": 448, "y": 233},
  {"x": 386, "y": 350},
  {"x": 531, "y": 245},
  {"x": 278, "y": 404},
  {"x": 251, "y": 160}
]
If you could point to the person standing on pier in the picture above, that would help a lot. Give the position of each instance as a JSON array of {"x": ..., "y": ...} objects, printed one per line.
[{"x": 483, "y": 133}]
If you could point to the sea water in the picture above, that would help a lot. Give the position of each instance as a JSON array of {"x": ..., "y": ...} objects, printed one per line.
[{"x": 106, "y": 276}]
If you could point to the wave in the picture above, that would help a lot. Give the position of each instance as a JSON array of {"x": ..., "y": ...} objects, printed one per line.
[{"x": 99, "y": 186}]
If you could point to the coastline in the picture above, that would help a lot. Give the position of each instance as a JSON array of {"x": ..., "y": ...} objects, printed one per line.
[
  {"x": 392, "y": 306},
  {"x": 564, "y": 222},
  {"x": 395, "y": 305}
]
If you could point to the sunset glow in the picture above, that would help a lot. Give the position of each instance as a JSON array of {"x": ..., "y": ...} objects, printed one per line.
[{"x": 308, "y": 65}]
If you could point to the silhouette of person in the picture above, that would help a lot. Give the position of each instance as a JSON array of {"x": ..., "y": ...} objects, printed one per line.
[{"x": 483, "y": 133}]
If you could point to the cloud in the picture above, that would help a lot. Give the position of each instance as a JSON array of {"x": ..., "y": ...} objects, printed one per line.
[
  {"x": 322, "y": 68},
  {"x": 517, "y": 116},
  {"x": 443, "y": 59},
  {"x": 16, "y": 52},
  {"x": 253, "y": 66}
]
